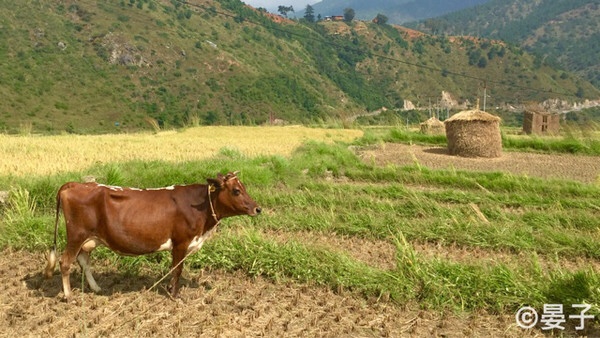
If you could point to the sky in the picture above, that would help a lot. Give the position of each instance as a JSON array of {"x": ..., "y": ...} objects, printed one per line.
[{"x": 272, "y": 5}]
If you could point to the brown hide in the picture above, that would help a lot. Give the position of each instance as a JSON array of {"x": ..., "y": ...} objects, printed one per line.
[{"x": 141, "y": 221}]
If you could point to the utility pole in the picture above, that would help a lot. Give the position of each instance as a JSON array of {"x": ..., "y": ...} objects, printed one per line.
[
  {"x": 484, "y": 93},
  {"x": 429, "y": 107}
]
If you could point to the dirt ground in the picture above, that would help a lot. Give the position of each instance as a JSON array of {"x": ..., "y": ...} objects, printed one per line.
[
  {"x": 581, "y": 168},
  {"x": 215, "y": 303}
]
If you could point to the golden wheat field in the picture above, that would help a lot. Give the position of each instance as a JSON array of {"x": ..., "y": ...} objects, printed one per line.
[{"x": 43, "y": 155}]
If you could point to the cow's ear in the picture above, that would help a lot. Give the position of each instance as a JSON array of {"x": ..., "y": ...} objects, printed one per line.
[{"x": 214, "y": 182}]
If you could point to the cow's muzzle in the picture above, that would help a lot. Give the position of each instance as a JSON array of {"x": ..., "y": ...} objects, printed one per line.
[{"x": 256, "y": 211}]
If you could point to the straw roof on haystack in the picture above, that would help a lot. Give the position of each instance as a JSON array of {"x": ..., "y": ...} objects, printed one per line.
[
  {"x": 433, "y": 126},
  {"x": 474, "y": 133}
]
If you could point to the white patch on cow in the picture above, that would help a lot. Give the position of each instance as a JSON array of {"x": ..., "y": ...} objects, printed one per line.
[
  {"x": 168, "y": 245},
  {"x": 117, "y": 188},
  {"x": 90, "y": 244},
  {"x": 198, "y": 241},
  {"x": 171, "y": 187},
  {"x": 111, "y": 187}
]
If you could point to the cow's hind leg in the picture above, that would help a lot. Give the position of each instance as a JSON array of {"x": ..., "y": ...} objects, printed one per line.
[
  {"x": 84, "y": 261},
  {"x": 76, "y": 245},
  {"x": 66, "y": 260}
]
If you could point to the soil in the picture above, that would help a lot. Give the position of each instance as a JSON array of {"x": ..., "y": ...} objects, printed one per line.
[
  {"x": 213, "y": 303},
  {"x": 548, "y": 166},
  {"x": 233, "y": 304}
]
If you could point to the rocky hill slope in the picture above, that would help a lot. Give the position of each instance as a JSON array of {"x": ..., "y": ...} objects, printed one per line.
[{"x": 110, "y": 66}]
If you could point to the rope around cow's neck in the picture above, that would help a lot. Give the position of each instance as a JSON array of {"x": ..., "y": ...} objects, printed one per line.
[{"x": 211, "y": 188}]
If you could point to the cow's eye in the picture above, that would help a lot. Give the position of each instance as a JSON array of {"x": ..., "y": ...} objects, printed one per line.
[{"x": 236, "y": 192}]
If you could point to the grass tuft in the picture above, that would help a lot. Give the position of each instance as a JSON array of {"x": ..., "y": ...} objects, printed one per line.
[{"x": 21, "y": 227}]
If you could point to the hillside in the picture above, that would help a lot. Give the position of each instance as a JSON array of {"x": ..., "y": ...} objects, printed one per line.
[
  {"x": 88, "y": 67},
  {"x": 564, "y": 33},
  {"x": 397, "y": 12}
]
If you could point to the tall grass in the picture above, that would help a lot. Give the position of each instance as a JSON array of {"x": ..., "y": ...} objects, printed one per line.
[
  {"x": 566, "y": 144},
  {"x": 21, "y": 225}
]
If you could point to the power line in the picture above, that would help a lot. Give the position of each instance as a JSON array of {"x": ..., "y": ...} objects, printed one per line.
[{"x": 385, "y": 57}]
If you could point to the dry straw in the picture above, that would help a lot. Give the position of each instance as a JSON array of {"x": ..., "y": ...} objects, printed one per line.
[
  {"x": 44, "y": 155},
  {"x": 474, "y": 133},
  {"x": 433, "y": 126}
]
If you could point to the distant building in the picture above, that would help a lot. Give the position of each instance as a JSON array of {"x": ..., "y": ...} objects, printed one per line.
[
  {"x": 334, "y": 18},
  {"x": 537, "y": 122}
]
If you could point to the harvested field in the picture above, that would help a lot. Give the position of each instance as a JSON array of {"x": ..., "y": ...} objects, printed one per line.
[
  {"x": 573, "y": 167},
  {"x": 447, "y": 228},
  {"x": 214, "y": 303},
  {"x": 44, "y": 155}
]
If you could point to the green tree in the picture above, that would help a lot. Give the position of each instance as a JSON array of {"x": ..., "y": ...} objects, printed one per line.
[
  {"x": 349, "y": 14},
  {"x": 381, "y": 19},
  {"x": 482, "y": 63},
  {"x": 435, "y": 26},
  {"x": 284, "y": 10},
  {"x": 309, "y": 13},
  {"x": 474, "y": 56}
]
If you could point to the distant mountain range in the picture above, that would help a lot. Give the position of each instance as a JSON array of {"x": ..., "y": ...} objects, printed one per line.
[
  {"x": 562, "y": 33},
  {"x": 111, "y": 66}
]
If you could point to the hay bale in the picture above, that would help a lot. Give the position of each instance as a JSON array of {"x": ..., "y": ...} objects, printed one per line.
[
  {"x": 433, "y": 126},
  {"x": 474, "y": 133}
]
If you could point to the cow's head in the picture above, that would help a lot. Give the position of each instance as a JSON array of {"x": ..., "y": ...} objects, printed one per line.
[{"x": 230, "y": 196}]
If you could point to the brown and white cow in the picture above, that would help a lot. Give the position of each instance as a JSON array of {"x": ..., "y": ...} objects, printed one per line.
[{"x": 140, "y": 221}]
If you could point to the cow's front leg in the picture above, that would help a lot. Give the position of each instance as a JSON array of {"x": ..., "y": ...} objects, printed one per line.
[{"x": 178, "y": 254}]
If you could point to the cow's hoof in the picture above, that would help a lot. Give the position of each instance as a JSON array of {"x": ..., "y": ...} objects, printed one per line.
[{"x": 70, "y": 300}]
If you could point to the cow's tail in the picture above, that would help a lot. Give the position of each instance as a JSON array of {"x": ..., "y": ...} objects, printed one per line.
[{"x": 51, "y": 256}]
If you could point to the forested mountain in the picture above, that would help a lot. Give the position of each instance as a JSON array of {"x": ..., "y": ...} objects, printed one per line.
[
  {"x": 397, "y": 11},
  {"x": 107, "y": 66},
  {"x": 563, "y": 33}
]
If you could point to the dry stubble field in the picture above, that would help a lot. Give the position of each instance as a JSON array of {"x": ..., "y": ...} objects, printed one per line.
[
  {"x": 44, "y": 155},
  {"x": 225, "y": 304}
]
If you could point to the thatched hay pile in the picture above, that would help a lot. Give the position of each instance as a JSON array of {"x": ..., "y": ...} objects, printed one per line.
[
  {"x": 433, "y": 126},
  {"x": 474, "y": 133}
]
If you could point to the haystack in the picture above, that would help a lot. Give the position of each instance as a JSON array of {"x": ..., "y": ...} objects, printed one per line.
[
  {"x": 474, "y": 133},
  {"x": 433, "y": 126}
]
